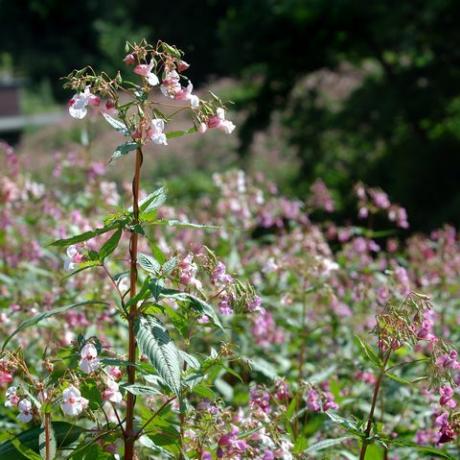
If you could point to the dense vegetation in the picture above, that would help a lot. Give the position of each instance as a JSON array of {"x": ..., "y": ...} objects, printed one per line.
[{"x": 240, "y": 324}]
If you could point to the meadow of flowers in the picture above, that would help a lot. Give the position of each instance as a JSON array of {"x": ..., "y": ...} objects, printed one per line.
[{"x": 242, "y": 325}]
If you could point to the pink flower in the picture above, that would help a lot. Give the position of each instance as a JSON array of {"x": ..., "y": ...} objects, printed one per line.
[
  {"x": 129, "y": 59},
  {"x": 89, "y": 361},
  {"x": 73, "y": 258},
  {"x": 155, "y": 132},
  {"x": 219, "y": 121},
  {"x": 73, "y": 403},
  {"x": 114, "y": 372},
  {"x": 112, "y": 392},
  {"x": 313, "y": 401},
  {"x": 78, "y": 104},
  {"x": 12, "y": 398},
  {"x": 25, "y": 411},
  {"x": 145, "y": 70}
]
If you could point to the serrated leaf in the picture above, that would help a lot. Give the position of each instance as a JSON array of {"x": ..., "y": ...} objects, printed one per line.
[
  {"x": 85, "y": 236},
  {"x": 118, "y": 125},
  {"x": 153, "y": 201},
  {"x": 110, "y": 245},
  {"x": 169, "y": 266},
  {"x": 141, "y": 390},
  {"x": 47, "y": 314},
  {"x": 123, "y": 149},
  {"x": 155, "y": 342},
  {"x": 148, "y": 263}
]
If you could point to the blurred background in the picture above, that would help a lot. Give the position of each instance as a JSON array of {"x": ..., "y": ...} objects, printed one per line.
[{"x": 342, "y": 90}]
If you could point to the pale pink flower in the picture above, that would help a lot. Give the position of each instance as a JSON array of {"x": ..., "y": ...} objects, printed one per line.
[
  {"x": 78, "y": 104},
  {"x": 12, "y": 398},
  {"x": 112, "y": 392},
  {"x": 219, "y": 121},
  {"x": 89, "y": 361},
  {"x": 156, "y": 132},
  {"x": 25, "y": 411},
  {"x": 145, "y": 70},
  {"x": 73, "y": 403},
  {"x": 73, "y": 258}
]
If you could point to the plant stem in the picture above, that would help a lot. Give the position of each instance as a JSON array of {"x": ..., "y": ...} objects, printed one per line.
[
  {"x": 370, "y": 419},
  {"x": 130, "y": 435},
  {"x": 47, "y": 436}
]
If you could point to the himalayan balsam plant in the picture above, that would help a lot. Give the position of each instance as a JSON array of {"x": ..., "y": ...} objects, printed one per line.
[{"x": 152, "y": 293}]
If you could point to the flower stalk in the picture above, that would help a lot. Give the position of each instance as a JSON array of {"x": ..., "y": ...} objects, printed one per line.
[{"x": 130, "y": 435}]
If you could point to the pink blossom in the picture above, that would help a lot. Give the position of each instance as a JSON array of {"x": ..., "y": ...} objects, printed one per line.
[
  {"x": 89, "y": 361},
  {"x": 218, "y": 121},
  {"x": 145, "y": 70},
  {"x": 73, "y": 403},
  {"x": 156, "y": 132},
  {"x": 78, "y": 104},
  {"x": 25, "y": 411}
]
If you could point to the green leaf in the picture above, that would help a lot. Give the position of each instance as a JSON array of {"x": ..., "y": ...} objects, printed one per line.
[
  {"x": 152, "y": 201},
  {"x": 326, "y": 444},
  {"x": 155, "y": 342},
  {"x": 178, "y": 223},
  {"x": 47, "y": 314},
  {"x": 51, "y": 453},
  {"x": 83, "y": 236},
  {"x": 148, "y": 263},
  {"x": 349, "y": 425},
  {"x": 64, "y": 433},
  {"x": 111, "y": 244},
  {"x": 432, "y": 451},
  {"x": 141, "y": 390},
  {"x": 173, "y": 134},
  {"x": 398, "y": 379},
  {"x": 169, "y": 266},
  {"x": 123, "y": 149},
  {"x": 116, "y": 124},
  {"x": 367, "y": 352},
  {"x": 197, "y": 304},
  {"x": 27, "y": 452},
  {"x": 90, "y": 391}
]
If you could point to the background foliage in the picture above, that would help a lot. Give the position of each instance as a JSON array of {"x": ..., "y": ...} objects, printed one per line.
[{"x": 361, "y": 90}]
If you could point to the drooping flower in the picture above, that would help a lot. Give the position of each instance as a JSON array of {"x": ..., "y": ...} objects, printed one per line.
[
  {"x": 219, "y": 121},
  {"x": 73, "y": 403},
  {"x": 145, "y": 70},
  {"x": 73, "y": 258},
  {"x": 156, "y": 132},
  {"x": 89, "y": 361},
  {"x": 112, "y": 392},
  {"x": 78, "y": 104},
  {"x": 12, "y": 398},
  {"x": 25, "y": 411}
]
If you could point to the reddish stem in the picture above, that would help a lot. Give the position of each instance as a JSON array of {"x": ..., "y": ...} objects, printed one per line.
[{"x": 130, "y": 434}]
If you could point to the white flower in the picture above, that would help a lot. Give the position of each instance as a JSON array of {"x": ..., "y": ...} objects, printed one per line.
[
  {"x": 72, "y": 402},
  {"x": 25, "y": 411},
  {"x": 12, "y": 398},
  {"x": 73, "y": 258},
  {"x": 156, "y": 133},
  {"x": 78, "y": 104},
  {"x": 327, "y": 265},
  {"x": 89, "y": 361},
  {"x": 112, "y": 392}
]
